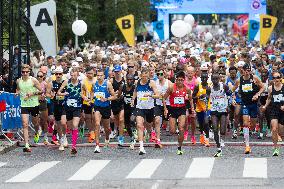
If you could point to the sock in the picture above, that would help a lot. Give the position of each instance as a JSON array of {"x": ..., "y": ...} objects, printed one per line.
[
  {"x": 45, "y": 136},
  {"x": 246, "y": 135},
  {"x": 179, "y": 148},
  {"x": 219, "y": 150},
  {"x": 74, "y": 137},
  {"x": 141, "y": 144}
]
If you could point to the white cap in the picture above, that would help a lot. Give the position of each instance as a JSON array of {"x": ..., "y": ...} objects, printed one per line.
[
  {"x": 173, "y": 45},
  {"x": 75, "y": 65},
  {"x": 79, "y": 59},
  {"x": 58, "y": 70},
  {"x": 241, "y": 63},
  {"x": 173, "y": 60},
  {"x": 174, "y": 52}
]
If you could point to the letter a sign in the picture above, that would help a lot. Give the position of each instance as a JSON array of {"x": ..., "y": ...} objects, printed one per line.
[
  {"x": 126, "y": 26},
  {"x": 43, "y": 22},
  {"x": 267, "y": 24}
]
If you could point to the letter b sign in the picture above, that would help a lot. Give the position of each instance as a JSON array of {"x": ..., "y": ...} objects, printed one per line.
[
  {"x": 267, "y": 23},
  {"x": 126, "y": 24}
]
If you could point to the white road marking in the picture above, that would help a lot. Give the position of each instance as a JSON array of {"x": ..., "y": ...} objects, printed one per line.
[
  {"x": 145, "y": 168},
  {"x": 255, "y": 168},
  {"x": 200, "y": 168}
]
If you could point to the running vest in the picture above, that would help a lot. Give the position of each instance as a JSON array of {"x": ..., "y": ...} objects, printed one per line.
[
  {"x": 202, "y": 103},
  {"x": 43, "y": 88},
  {"x": 73, "y": 99},
  {"x": 247, "y": 90},
  {"x": 177, "y": 98},
  {"x": 88, "y": 90},
  {"x": 236, "y": 93},
  {"x": 28, "y": 87},
  {"x": 162, "y": 90},
  {"x": 55, "y": 87},
  {"x": 101, "y": 91},
  {"x": 277, "y": 99},
  {"x": 127, "y": 95},
  {"x": 218, "y": 99},
  {"x": 144, "y": 102},
  {"x": 264, "y": 94},
  {"x": 190, "y": 85},
  {"x": 116, "y": 86}
]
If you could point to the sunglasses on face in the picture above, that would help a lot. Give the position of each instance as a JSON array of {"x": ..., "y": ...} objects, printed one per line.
[
  {"x": 58, "y": 73},
  {"x": 130, "y": 66},
  {"x": 160, "y": 74},
  {"x": 247, "y": 70},
  {"x": 40, "y": 76},
  {"x": 277, "y": 77},
  {"x": 25, "y": 71}
]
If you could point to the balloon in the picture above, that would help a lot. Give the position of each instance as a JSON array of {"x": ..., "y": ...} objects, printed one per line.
[
  {"x": 79, "y": 27},
  {"x": 189, "y": 19},
  {"x": 220, "y": 31},
  {"x": 189, "y": 27},
  {"x": 179, "y": 28},
  {"x": 199, "y": 29},
  {"x": 208, "y": 36}
]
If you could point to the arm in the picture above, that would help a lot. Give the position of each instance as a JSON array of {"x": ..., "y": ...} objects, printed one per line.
[
  {"x": 236, "y": 85},
  {"x": 194, "y": 94},
  {"x": 268, "y": 100},
  {"x": 154, "y": 87},
  {"x": 37, "y": 85},
  {"x": 49, "y": 90},
  {"x": 260, "y": 85},
  {"x": 111, "y": 91},
  {"x": 167, "y": 94},
  {"x": 190, "y": 99},
  {"x": 64, "y": 84}
]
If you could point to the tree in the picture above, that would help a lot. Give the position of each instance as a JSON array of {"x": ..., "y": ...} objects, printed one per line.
[{"x": 276, "y": 7}]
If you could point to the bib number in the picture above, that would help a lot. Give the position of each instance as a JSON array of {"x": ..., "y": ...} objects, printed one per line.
[
  {"x": 99, "y": 95},
  {"x": 179, "y": 100},
  {"x": 72, "y": 103},
  {"x": 247, "y": 87}
]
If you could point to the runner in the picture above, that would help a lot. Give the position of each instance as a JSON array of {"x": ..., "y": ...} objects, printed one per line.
[
  {"x": 219, "y": 104},
  {"x": 57, "y": 102},
  {"x": 103, "y": 93},
  {"x": 117, "y": 105},
  {"x": 250, "y": 88},
  {"x": 28, "y": 87},
  {"x": 145, "y": 92},
  {"x": 276, "y": 98},
  {"x": 177, "y": 93},
  {"x": 88, "y": 102},
  {"x": 72, "y": 105}
]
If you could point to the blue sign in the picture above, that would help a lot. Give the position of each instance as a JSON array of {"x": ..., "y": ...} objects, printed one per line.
[
  {"x": 158, "y": 27},
  {"x": 253, "y": 29},
  {"x": 12, "y": 116}
]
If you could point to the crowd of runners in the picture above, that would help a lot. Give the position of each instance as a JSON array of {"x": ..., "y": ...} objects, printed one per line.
[{"x": 118, "y": 91}]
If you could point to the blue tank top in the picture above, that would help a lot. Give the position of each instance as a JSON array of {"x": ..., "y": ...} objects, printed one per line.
[
  {"x": 74, "y": 98},
  {"x": 101, "y": 91},
  {"x": 238, "y": 99},
  {"x": 144, "y": 102}
]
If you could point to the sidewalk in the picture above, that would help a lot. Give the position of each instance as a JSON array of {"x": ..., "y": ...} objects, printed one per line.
[{"x": 6, "y": 146}]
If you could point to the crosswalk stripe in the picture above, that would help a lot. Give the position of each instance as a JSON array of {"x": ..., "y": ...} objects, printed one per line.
[
  {"x": 33, "y": 172},
  {"x": 89, "y": 170},
  {"x": 255, "y": 167},
  {"x": 200, "y": 168},
  {"x": 145, "y": 168},
  {"x": 2, "y": 164}
]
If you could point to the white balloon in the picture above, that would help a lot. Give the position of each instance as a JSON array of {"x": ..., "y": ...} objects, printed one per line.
[
  {"x": 220, "y": 31},
  {"x": 179, "y": 28},
  {"x": 199, "y": 29},
  {"x": 189, "y": 28},
  {"x": 189, "y": 19},
  {"x": 79, "y": 27},
  {"x": 208, "y": 36}
]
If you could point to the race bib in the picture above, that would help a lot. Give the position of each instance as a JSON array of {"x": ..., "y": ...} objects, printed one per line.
[
  {"x": 143, "y": 98},
  {"x": 247, "y": 87},
  {"x": 127, "y": 100},
  {"x": 278, "y": 98},
  {"x": 59, "y": 97},
  {"x": 72, "y": 103},
  {"x": 99, "y": 95},
  {"x": 219, "y": 103},
  {"x": 179, "y": 100}
]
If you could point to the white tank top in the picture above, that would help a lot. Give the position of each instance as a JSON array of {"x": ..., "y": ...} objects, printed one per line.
[
  {"x": 218, "y": 99},
  {"x": 162, "y": 90},
  {"x": 144, "y": 102}
]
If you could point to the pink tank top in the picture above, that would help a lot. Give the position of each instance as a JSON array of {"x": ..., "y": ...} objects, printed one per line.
[{"x": 190, "y": 85}]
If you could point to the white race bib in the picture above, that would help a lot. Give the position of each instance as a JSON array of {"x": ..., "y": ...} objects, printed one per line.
[
  {"x": 179, "y": 100},
  {"x": 127, "y": 100},
  {"x": 247, "y": 87},
  {"x": 72, "y": 103},
  {"x": 99, "y": 95}
]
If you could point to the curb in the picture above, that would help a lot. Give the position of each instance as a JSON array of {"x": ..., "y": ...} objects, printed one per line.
[{"x": 8, "y": 148}]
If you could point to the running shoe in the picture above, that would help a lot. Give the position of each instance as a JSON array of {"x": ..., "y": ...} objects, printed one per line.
[
  {"x": 179, "y": 152},
  {"x": 202, "y": 139},
  {"x": 211, "y": 134},
  {"x": 207, "y": 143},
  {"x": 65, "y": 142},
  {"x": 177, "y": 131},
  {"x": 235, "y": 134},
  {"x": 153, "y": 137},
  {"x": 218, "y": 153},
  {"x": 142, "y": 151},
  {"x": 45, "y": 142},
  {"x": 91, "y": 137},
  {"x": 112, "y": 135},
  {"x": 247, "y": 150},
  {"x": 97, "y": 149},
  {"x": 55, "y": 142},
  {"x": 164, "y": 126},
  {"x": 193, "y": 140},
  {"x": 135, "y": 135},
  {"x": 61, "y": 147},
  {"x": 260, "y": 136},
  {"x": 158, "y": 144},
  {"x": 27, "y": 149},
  {"x": 73, "y": 151},
  {"x": 222, "y": 143},
  {"x": 269, "y": 134},
  {"x": 120, "y": 140},
  {"x": 132, "y": 143},
  {"x": 276, "y": 152},
  {"x": 36, "y": 138},
  {"x": 185, "y": 135}
]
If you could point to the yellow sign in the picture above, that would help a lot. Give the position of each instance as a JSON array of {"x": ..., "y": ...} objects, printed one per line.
[
  {"x": 267, "y": 24},
  {"x": 126, "y": 26}
]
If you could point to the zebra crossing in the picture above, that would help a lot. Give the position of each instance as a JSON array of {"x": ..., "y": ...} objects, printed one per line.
[{"x": 196, "y": 168}]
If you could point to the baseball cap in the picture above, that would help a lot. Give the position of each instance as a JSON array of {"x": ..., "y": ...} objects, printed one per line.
[
  {"x": 75, "y": 64},
  {"x": 58, "y": 70},
  {"x": 241, "y": 63},
  {"x": 117, "y": 68},
  {"x": 79, "y": 59}
]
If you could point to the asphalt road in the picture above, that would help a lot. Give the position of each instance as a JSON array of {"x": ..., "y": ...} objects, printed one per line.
[{"x": 46, "y": 167}]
